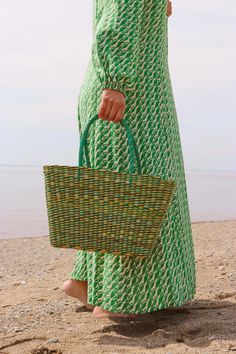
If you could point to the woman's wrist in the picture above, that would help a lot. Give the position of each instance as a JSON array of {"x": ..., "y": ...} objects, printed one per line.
[
  {"x": 117, "y": 86},
  {"x": 109, "y": 88}
]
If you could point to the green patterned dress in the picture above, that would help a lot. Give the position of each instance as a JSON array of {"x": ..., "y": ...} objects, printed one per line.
[{"x": 129, "y": 53}]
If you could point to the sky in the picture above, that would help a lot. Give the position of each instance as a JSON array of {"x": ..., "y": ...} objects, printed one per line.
[{"x": 45, "y": 47}]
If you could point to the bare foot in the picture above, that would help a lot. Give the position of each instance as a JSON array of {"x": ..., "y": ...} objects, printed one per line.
[
  {"x": 101, "y": 313},
  {"x": 78, "y": 289}
]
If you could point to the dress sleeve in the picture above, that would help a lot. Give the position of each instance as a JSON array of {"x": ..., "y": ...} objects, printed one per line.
[{"x": 115, "y": 47}]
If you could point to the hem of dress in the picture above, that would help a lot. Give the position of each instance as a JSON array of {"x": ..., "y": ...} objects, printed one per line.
[
  {"x": 74, "y": 277},
  {"x": 146, "y": 311},
  {"x": 139, "y": 312}
]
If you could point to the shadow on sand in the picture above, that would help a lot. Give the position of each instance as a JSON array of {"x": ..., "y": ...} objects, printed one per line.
[{"x": 196, "y": 324}]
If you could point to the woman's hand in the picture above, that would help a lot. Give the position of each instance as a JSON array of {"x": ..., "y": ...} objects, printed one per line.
[
  {"x": 112, "y": 105},
  {"x": 169, "y": 8}
]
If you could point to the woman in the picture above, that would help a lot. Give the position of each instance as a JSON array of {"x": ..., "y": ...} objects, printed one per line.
[{"x": 128, "y": 77}]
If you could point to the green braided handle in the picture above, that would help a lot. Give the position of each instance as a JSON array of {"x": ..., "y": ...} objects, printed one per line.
[{"x": 133, "y": 150}]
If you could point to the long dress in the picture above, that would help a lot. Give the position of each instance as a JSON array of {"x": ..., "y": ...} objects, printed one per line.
[{"x": 129, "y": 53}]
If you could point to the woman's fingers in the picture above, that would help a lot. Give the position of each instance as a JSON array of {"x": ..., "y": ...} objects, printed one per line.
[
  {"x": 102, "y": 113},
  {"x": 112, "y": 105},
  {"x": 169, "y": 8},
  {"x": 119, "y": 115},
  {"x": 107, "y": 109},
  {"x": 113, "y": 112}
]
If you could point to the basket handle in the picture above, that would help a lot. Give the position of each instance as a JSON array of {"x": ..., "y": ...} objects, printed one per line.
[{"x": 133, "y": 150}]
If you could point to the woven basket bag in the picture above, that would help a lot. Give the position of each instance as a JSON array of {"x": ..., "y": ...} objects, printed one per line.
[{"x": 107, "y": 211}]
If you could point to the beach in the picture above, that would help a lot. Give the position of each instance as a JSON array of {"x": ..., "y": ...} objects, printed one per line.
[{"x": 36, "y": 313}]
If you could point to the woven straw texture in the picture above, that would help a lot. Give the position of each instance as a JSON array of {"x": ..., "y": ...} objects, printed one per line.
[
  {"x": 129, "y": 53},
  {"x": 105, "y": 211}
]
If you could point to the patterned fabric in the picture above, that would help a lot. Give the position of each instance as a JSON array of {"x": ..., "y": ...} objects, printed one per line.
[{"x": 130, "y": 54}]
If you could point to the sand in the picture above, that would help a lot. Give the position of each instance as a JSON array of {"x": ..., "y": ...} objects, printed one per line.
[{"x": 36, "y": 313}]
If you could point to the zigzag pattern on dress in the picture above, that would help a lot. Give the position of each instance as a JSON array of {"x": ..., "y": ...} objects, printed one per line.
[{"x": 129, "y": 53}]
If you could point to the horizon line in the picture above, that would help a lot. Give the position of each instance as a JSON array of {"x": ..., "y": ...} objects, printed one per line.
[{"x": 187, "y": 169}]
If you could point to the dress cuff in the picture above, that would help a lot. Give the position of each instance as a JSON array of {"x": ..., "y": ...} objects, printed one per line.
[{"x": 118, "y": 86}]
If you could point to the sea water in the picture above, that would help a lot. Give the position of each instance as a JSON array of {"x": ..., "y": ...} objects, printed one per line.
[{"x": 23, "y": 211}]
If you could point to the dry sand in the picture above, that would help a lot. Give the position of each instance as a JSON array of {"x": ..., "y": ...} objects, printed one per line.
[{"x": 34, "y": 309}]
